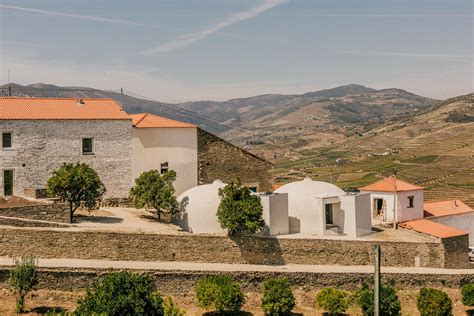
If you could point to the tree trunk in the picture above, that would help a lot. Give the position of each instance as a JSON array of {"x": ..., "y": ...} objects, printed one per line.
[
  {"x": 158, "y": 212},
  {"x": 71, "y": 213}
]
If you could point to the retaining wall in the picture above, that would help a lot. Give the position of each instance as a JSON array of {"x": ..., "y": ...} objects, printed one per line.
[{"x": 55, "y": 212}]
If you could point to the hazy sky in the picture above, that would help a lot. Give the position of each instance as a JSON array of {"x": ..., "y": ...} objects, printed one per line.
[{"x": 176, "y": 50}]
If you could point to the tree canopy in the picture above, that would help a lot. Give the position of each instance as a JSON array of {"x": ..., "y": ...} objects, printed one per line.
[
  {"x": 155, "y": 190},
  {"x": 239, "y": 210},
  {"x": 78, "y": 184}
]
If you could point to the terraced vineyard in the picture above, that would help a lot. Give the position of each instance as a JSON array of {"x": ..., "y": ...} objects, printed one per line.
[{"x": 426, "y": 149}]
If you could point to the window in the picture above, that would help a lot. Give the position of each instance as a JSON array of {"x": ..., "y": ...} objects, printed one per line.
[
  {"x": 87, "y": 146},
  {"x": 411, "y": 201},
  {"x": 7, "y": 182},
  {"x": 329, "y": 215},
  {"x": 6, "y": 140},
  {"x": 164, "y": 167}
]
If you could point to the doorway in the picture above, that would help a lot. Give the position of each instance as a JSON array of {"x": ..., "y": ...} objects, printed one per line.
[
  {"x": 7, "y": 182},
  {"x": 329, "y": 214},
  {"x": 379, "y": 205}
]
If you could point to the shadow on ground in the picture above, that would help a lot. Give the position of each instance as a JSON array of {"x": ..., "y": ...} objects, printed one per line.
[
  {"x": 47, "y": 309},
  {"x": 97, "y": 219},
  {"x": 259, "y": 250},
  {"x": 239, "y": 313}
]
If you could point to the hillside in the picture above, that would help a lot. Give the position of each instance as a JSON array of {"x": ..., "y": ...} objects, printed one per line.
[
  {"x": 270, "y": 124},
  {"x": 434, "y": 148}
]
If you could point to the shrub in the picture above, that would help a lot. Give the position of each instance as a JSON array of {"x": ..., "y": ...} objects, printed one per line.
[
  {"x": 169, "y": 309},
  {"x": 433, "y": 302},
  {"x": 389, "y": 302},
  {"x": 334, "y": 301},
  {"x": 23, "y": 278},
  {"x": 155, "y": 190},
  {"x": 278, "y": 298},
  {"x": 467, "y": 293},
  {"x": 78, "y": 184},
  {"x": 219, "y": 292},
  {"x": 239, "y": 210},
  {"x": 122, "y": 293}
]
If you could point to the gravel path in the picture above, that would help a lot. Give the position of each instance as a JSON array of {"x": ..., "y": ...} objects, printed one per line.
[{"x": 199, "y": 266}]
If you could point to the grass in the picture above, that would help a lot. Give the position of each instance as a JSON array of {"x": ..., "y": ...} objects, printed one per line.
[{"x": 422, "y": 159}]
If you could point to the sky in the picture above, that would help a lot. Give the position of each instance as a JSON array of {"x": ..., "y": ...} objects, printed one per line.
[{"x": 182, "y": 50}]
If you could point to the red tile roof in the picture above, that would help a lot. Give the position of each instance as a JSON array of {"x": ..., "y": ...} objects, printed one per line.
[
  {"x": 428, "y": 227},
  {"x": 445, "y": 208},
  {"x": 387, "y": 185},
  {"x": 21, "y": 108},
  {"x": 148, "y": 120}
]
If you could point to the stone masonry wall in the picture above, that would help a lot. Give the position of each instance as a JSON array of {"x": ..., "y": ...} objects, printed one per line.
[
  {"x": 61, "y": 243},
  {"x": 55, "y": 212},
  {"x": 218, "y": 159},
  {"x": 40, "y": 146},
  {"x": 184, "y": 282}
]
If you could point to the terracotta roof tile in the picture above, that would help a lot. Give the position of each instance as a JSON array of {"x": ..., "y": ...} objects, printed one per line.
[
  {"x": 428, "y": 227},
  {"x": 445, "y": 208},
  {"x": 387, "y": 185},
  {"x": 20, "y": 108},
  {"x": 148, "y": 120}
]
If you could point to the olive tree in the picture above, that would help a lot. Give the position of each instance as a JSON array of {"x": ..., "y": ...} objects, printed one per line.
[
  {"x": 77, "y": 184},
  {"x": 239, "y": 210},
  {"x": 23, "y": 278},
  {"x": 155, "y": 190}
]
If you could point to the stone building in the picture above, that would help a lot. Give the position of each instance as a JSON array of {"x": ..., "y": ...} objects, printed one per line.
[
  {"x": 218, "y": 159},
  {"x": 40, "y": 134}
]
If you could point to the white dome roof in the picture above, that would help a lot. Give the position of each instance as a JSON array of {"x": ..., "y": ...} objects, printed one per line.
[
  {"x": 199, "y": 208},
  {"x": 308, "y": 187}
]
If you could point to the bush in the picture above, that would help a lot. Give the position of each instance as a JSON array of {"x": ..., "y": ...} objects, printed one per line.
[
  {"x": 169, "y": 309},
  {"x": 334, "y": 301},
  {"x": 467, "y": 293},
  {"x": 433, "y": 302},
  {"x": 23, "y": 278},
  {"x": 389, "y": 302},
  {"x": 220, "y": 293},
  {"x": 239, "y": 210},
  {"x": 122, "y": 293},
  {"x": 278, "y": 297}
]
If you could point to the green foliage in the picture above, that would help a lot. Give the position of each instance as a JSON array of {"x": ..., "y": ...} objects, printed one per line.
[
  {"x": 278, "y": 298},
  {"x": 23, "y": 278},
  {"x": 467, "y": 292},
  {"x": 433, "y": 302},
  {"x": 239, "y": 210},
  {"x": 389, "y": 302},
  {"x": 78, "y": 184},
  {"x": 122, "y": 293},
  {"x": 169, "y": 309},
  {"x": 220, "y": 293},
  {"x": 334, "y": 301},
  {"x": 155, "y": 190}
]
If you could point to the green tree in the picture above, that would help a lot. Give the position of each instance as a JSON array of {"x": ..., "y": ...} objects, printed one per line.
[
  {"x": 155, "y": 190},
  {"x": 239, "y": 210},
  {"x": 221, "y": 293},
  {"x": 278, "y": 298},
  {"x": 389, "y": 302},
  {"x": 467, "y": 292},
  {"x": 122, "y": 293},
  {"x": 434, "y": 302},
  {"x": 23, "y": 278},
  {"x": 334, "y": 301},
  {"x": 77, "y": 184}
]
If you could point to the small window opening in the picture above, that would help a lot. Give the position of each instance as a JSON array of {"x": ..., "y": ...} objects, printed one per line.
[
  {"x": 411, "y": 201},
  {"x": 6, "y": 140},
  {"x": 87, "y": 146},
  {"x": 164, "y": 167}
]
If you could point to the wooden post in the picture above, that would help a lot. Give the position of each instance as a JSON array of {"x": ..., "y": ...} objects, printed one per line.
[
  {"x": 377, "y": 281},
  {"x": 395, "y": 202}
]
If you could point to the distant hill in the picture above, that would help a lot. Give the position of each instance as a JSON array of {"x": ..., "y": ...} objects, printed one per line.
[{"x": 433, "y": 147}]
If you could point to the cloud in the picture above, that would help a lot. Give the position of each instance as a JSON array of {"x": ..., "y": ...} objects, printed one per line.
[
  {"x": 192, "y": 37},
  {"x": 470, "y": 16},
  {"x": 402, "y": 54},
  {"x": 72, "y": 15}
]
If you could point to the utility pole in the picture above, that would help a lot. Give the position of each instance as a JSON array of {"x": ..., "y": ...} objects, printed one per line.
[
  {"x": 121, "y": 97},
  {"x": 377, "y": 281},
  {"x": 395, "y": 202},
  {"x": 9, "y": 87}
]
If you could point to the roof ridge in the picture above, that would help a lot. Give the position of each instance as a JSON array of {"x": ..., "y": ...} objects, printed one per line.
[
  {"x": 55, "y": 98},
  {"x": 142, "y": 118}
]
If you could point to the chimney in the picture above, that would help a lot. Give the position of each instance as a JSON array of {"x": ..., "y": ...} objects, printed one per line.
[{"x": 80, "y": 102}]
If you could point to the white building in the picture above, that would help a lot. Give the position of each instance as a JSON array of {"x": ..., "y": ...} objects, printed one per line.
[
  {"x": 387, "y": 193},
  {"x": 164, "y": 144},
  {"x": 323, "y": 209}
]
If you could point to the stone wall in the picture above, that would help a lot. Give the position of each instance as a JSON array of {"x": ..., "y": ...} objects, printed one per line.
[
  {"x": 218, "y": 159},
  {"x": 184, "y": 282},
  {"x": 55, "y": 212},
  {"x": 456, "y": 248},
  {"x": 61, "y": 243},
  {"x": 40, "y": 146}
]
